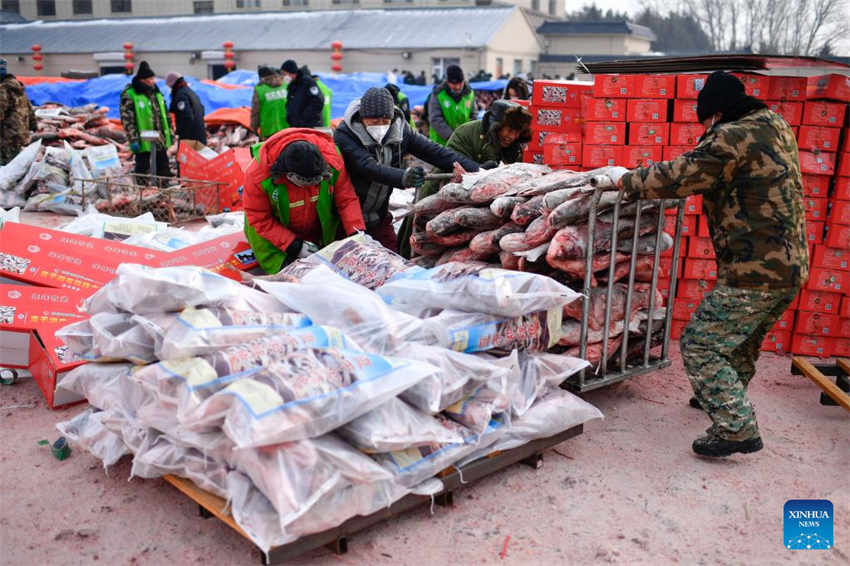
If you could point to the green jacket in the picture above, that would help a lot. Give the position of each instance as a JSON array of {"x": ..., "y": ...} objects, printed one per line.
[
  {"x": 748, "y": 173},
  {"x": 326, "y": 108}
]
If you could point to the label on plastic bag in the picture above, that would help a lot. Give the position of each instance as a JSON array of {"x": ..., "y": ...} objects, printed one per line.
[
  {"x": 196, "y": 371},
  {"x": 200, "y": 318},
  {"x": 258, "y": 396},
  {"x": 122, "y": 230}
]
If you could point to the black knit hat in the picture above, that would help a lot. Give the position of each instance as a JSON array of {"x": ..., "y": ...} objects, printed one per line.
[
  {"x": 265, "y": 71},
  {"x": 289, "y": 66},
  {"x": 377, "y": 103},
  {"x": 454, "y": 74},
  {"x": 721, "y": 92},
  {"x": 144, "y": 71},
  {"x": 302, "y": 158}
]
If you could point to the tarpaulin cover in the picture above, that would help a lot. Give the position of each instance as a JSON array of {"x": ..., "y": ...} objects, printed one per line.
[{"x": 106, "y": 90}]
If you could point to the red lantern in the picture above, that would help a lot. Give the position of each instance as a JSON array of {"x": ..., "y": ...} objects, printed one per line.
[
  {"x": 38, "y": 66},
  {"x": 337, "y": 45},
  {"x": 336, "y": 56},
  {"x": 129, "y": 66},
  {"x": 128, "y": 56},
  {"x": 228, "y": 54},
  {"x": 128, "y": 46},
  {"x": 36, "y": 47},
  {"x": 336, "y": 68},
  {"x": 37, "y": 57},
  {"x": 227, "y": 45}
]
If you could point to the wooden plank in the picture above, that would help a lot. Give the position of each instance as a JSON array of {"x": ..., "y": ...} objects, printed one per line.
[
  {"x": 823, "y": 382},
  {"x": 212, "y": 503},
  {"x": 844, "y": 364}
]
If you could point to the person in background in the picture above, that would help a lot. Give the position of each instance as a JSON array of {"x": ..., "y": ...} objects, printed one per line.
[
  {"x": 268, "y": 105},
  {"x": 305, "y": 101},
  {"x": 188, "y": 112},
  {"x": 451, "y": 104},
  {"x": 17, "y": 117},
  {"x": 297, "y": 192},
  {"x": 747, "y": 169},
  {"x": 392, "y": 76},
  {"x": 142, "y": 108},
  {"x": 327, "y": 100},
  {"x": 401, "y": 101},
  {"x": 374, "y": 139},
  {"x": 516, "y": 89},
  {"x": 421, "y": 80}
]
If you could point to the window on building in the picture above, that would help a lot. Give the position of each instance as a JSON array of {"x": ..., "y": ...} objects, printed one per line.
[
  {"x": 13, "y": 6},
  {"x": 535, "y": 5},
  {"x": 82, "y": 7},
  {"x": 397, "y": 1},
  {"x": 46, "y": 7},
  {"x": 553, "y": 8},
  {"x": 203, "y": 6},
  {"x": 296, "y": 2},
  {"x": 517, "y": 67},
  {"x": 439, "y": 65},
  {"x": 248, "y": 3},
  {"x": 500, "y": 67},
  {"x": 346, "y": 1},
  {"x": 121, "y": 6}
]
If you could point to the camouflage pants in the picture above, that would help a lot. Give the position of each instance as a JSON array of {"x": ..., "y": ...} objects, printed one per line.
[
  {"x": 720, "y": 347},
  {"x": 8, "y": 151}
]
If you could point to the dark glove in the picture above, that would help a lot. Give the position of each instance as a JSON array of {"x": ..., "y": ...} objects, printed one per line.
[
  {"x": 294, "y": 249},
  {"x": 135, "y": 147},
  {"x": 489, "y": 164},
  {"x": 413, "y": 177}
]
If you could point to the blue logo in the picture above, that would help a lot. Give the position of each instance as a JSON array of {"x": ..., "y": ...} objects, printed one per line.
[{"x": 808, "y": 524}]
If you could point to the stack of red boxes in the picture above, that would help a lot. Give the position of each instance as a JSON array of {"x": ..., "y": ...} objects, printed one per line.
[{"x": 556, "y": 118}]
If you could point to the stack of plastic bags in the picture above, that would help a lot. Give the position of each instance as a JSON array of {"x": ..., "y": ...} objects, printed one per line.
[{"x": 307, "y": 408}]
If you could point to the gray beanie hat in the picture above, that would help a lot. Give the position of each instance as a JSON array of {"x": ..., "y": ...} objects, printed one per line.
[{"x": 377, "y": 103}]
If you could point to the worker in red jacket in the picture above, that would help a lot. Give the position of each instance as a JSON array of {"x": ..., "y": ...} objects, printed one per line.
[{"x": 297, "y": 193}]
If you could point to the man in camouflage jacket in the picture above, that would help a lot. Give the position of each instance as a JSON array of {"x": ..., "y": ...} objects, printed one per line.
[
  {"x": 747, "y": 170},
  {"x": 142, "y": 107},
  {"x": 17, "y": 118}
]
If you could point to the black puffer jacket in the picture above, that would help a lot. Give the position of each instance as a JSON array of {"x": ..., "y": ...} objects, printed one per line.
[
  {"x": 375, "y": 169},
  {"x": 304, "y": 102},
  {"x": 188, "y": 113}
]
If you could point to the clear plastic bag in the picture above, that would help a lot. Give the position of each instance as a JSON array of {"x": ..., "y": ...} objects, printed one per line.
[
  {"x": 255, "y": 514},
  {"x": 539, "y": 372},
  {"x": 103, "y": 384},
  {"x": 471, "y": 332},
  {"x": 16, "y": 169},
  {"x": 474, "y": 288},
  {"x": 361, "y": 259},
  {"x": 87, "y": 431},
  {"x": 476, "y": 410},
  {"x": 109, "y": 337}
]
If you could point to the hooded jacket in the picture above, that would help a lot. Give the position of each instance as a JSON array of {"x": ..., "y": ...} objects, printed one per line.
[
  {"x": 303, "y": 219},
  {"x": 376, "y": 168},
  {"x": 273, "y": 80},
  {"x": 305, "y": 101},
  {"x": 17, "y": 117},
  {"x": 188, "y": 112}
]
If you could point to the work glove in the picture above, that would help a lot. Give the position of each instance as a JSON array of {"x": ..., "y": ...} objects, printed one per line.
[
  {"x": 135, "y": 147},
  {"x": 489, "y": 164},
  {"x": 609, "y": 180},
  {"x": 413, "y": 177}
]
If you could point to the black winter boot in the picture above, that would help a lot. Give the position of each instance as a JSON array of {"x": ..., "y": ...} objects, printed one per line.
[
  {"x": 712, "y": 445},
  {"x": 694, "y": 403}
]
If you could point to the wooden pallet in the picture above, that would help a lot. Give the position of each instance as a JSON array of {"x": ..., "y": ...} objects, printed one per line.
[
  {"x": 210, "y": 505},
  {"x": 837, "y": 391}
]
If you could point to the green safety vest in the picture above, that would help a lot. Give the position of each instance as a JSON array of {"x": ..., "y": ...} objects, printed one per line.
[
  {"x": 144, "y": 118},
  {"x": 455, "y": 113},
  {"x": 402, "y": 96},
  {"x": 326, "y": 108},
  {"x": 272, "y": 108},
  {"x": 270, "y": 257}
]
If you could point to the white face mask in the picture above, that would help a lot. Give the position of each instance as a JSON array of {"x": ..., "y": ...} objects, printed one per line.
[{"x": 378, "y": 132}]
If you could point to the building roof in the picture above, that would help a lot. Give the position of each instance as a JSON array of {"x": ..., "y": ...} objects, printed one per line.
[
  {"x": 601, "y": 27},
  {"x": 7, "y": 17},
  {"x": 414, "y": 28}
]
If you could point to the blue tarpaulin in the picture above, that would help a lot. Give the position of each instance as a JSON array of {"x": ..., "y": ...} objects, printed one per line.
[{"x": 106, "y": 90}]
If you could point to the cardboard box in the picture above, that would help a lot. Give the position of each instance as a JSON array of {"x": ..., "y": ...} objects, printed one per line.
[
  {"x": 694, "y": 289},
  {"x": 815, "y": 208},
  {"x": 689, "y": 85},
  {"x": 795, "y": 303},
  {"x": 641, "y": 155},
  {"x": 828, "y": 279},
  {"x": 701, "y": 248},
  {"x": 603, "y": 109},
  {"x": 778, "y": 341},
  {"x": 647, "y": 110},
  {"x": 685, "y": 111},
  {"x": 654, "y": 86},
  {"x": 664, "y": 288},
  {"x": 700, "y": 269},
  {"x": 613, "y": 86},
  {"x": 814, "y": 232},
  {"x": 817, "y": 162},
  {"x": 676, "y": 328},
  {"x": 755, "y": 85},
  {"x": 817, "y": 113},
  {"x": 227, "y": 168},
  {"x": 685, "y": 134},
  {"x": 598, "y": 133},
  {"x": 683, "y": 309},
  {"x": 665, "y": 268},
  {"x": 50, "y": 359},
  {"x": 787, "y": 88},
  {"x": 555, "y": 119},
  {"x": 791, "y": 111},
  {"x": 674, "y": 151},
  {"x": 839, "y": 212},
  {"x": 807, "y": 345},
  {"x": 840, "y": 347},
  {"x": 816, "y": 185},
  {"x": 843, "y": 328},
  {"x": 26, "y": 307},
  {"x": 693, "y": 205},
  {"x": 831, "y": 87},
  {"x": 837, "y": 236},
  {"x": 689, "y": 225},
  {"x": 836, "y": 258},
  {"x": 843, "y": 169},
  {"x": 538, "y": 138},
  {"x": 601, "y": 155},
  {"x": 649, "y": 133},
  {"x": 529, "y": 156},
  {"x": 842, "y": 187},
  {"x": 817, "y": 323},
  {"x": 15, "y": 348},
  {"x": 786, "y": 321},
  {"x": 558, "y": 93},
  {"x": 845, "y": 307},
  {"x": 702, "y": 230},
  {"x": 818, "y": 137},
  {"x": 561, "y": 153}
]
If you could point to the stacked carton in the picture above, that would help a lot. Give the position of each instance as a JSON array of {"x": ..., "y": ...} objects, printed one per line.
[{"x": 556, "y": 120}]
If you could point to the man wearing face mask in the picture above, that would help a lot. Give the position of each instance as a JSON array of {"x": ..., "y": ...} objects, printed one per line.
[
  {"x": 374, "y": 138},
  {"x": 746, "y": 168},
  {"x": 297, "y": 192},
  {"x": 305, "y": 100},
  {"x": 451, "y": 104}
]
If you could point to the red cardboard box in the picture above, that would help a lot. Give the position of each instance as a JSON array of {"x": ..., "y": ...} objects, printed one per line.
[
  {"x": 811, "y": 345},
  {"x": 831, "y": 87},
  {"x": 840, "y": 347},
  {"x": 685, "y": 134},
  {"x": 647, "y": 110},
  {"x": 613, "y": 86},
  {"x": 26, "y": 307},
  {"x": 689, "y": 85},
  {"x": 227, "y": 168},
  {"x": 654, "y": 86},
  {"x": 700, "y": 269},
  {"x": 814, "y": 232},
  {"x": 539, "y": 138},
  {"x": 529, "y": 156},
  {"x": 837, "y": 236},
  {"x": 817, "y": 113},
  {"x": 843, "y": 328},
  {"x": 561, "y": 153},
  {"x": 816, "y": 185},
  {"x": 836, "y": 258},
  {"x": 819, "y": 301},
  {"x": 701, "y": 248},
  {"x": 641, "y": 155},
  {"x": 787, "y": 88},
  {"x": 844, "y": 161},
  {"x": 648, "y": 134},
  {"x": 817, "y": 163},
  {"x": 597, "y": 133},
  {"x": 845, "y": 307},
  {"x": 664, "y": 288},
  {"x": 558, "y": 93},
  {"x": 791, "y": 111},
  {"x": 685, "y": 111},
  {"x": 817, "y": 323},
  {"x": 839, "y": 213},
  {"x": 693, "y": 204},
  {"x": 689, "y": 225},
  {"x": 601, "y": 155},
  {"x": 603, "y": 109},
  {"x": 778, "y": 341},
  {"x": 815, "y": 208},
  {"x": 684, "y": 308},
  {"x": 703, "y": 231},
  {"x": 818, "y": 137},
  {"x": 674, "y": 151},
  {"x": 676, "y": 328},
  {"x": 842, "y": 187},
  {"x": 786, "y": 321},
  {"x": 207, "y": 254},
  {"x": 755, "y": 85},
  {"x": 694, "y": 289},
  {"x": 828, "y": 279},
  {"x": 555, "y": 119},
  {"x": 50, "y": 359}
]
